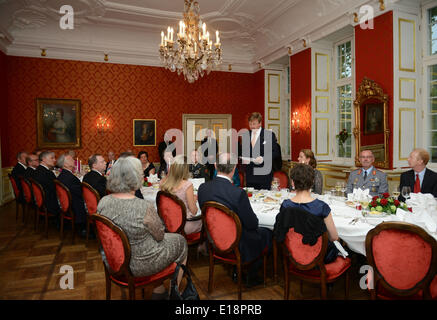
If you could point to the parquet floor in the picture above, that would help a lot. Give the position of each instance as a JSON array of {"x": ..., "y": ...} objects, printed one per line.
[{"x": 30, "y": 270}]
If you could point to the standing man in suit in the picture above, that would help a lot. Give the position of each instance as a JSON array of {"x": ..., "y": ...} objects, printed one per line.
[
  {"x": 111, "y": 161},
  {"x": 95, "y": 178},
  {"x": 20, "y": 170},
  {"x": 166, "y": 145},
  {"x": 253, "y": 238},
  {"x": 209, "y": 148},
  {"x": 66, "y": 162},
  {"x": 263, "y": 148},
  {"x": 367, "y": 177},
  {"x": 32, "y": 163},
  {"x": 45, "y": 177},
  {"x": 419, "y": 178}
]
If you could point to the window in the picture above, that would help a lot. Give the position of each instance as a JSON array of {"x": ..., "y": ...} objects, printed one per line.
[
  {"x": 343, "y": 94},
  {"x": 432, "y": 27},
  {"x": 432, "y": 112}
]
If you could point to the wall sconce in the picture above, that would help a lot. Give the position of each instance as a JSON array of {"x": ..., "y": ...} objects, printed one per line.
[
  {"x": 290, "y": 51},
  {"x": 105, "y": 57},
  {"x": 43, "y": 52},
  {"x": 102, "y": 124},
  {"x": 381, "y": 5},
  {"x": 295, "y": 123},
  {"x": 355, "y": 17}
]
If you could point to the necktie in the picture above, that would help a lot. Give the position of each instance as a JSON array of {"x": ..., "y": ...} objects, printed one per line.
[
  {"x": 365, "y": 175},
  {"x": 253, "y": 139},
  {"x": 417, "y": 184}
]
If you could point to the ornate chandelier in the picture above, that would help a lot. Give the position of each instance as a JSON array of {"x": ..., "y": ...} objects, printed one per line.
[{"x": 194, "y": 53}]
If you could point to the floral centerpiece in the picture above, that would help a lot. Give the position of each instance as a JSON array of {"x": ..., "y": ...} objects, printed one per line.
[
  {"x": 386, "y": 204},
  {"x": 146, "y": 183},
  {"x": 342, "y": 137}
]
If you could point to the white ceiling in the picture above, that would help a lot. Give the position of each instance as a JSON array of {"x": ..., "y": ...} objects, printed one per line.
[{"x": 128, "y": 31}]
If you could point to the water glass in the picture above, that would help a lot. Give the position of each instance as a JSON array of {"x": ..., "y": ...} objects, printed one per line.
[{"x": 406, "y": 192}]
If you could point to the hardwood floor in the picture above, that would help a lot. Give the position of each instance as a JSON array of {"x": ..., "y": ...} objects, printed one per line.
[{"x": 30, "y": 270}]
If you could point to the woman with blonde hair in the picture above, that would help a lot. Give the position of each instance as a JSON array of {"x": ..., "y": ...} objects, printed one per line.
[{"x": 306, "y": 156}]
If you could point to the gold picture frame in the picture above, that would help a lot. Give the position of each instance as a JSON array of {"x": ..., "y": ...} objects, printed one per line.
[
  {"x": 144, "y": 132},
  {"x": 58, "y": 123}
]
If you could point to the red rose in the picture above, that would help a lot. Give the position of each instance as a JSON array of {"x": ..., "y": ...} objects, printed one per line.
[
  {"x": 397, "y": 203},
  {"x": 374, "y": 203},
  {"x": 149, "y": 184},
  {"x": 145, "y": 179},
  {"x": 386, "y": 194},
  {"x": 384, "y": 202},
  {"x": 375, "y": 198}
]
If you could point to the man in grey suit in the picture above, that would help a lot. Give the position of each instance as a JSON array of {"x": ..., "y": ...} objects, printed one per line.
[{"x": 368, "y": 177}]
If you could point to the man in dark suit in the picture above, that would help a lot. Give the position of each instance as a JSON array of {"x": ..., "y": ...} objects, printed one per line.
[
  {"x": 111, "y": 161},
  {"x": 20, "y": 170},
  {"x": 419, "y": 178},
  {"x": 95, "y": 178},
  {"x": 162, "y": 147},
  {"x": 258, "y": 156},
  {"x": 45, "y": 177},
  {"x": 209, "y": 151},
  {"x": 253, "y": 238},
  {"x": 66, "y": 162},
  {"x": 32, "y": 163}
]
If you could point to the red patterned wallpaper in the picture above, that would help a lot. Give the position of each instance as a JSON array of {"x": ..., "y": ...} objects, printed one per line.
[
  {"x": 374, "y": 60},
  {"x": 300, "y": 73},
  {"x": 3, "y": 102},
  {"x": 120, "y": 93}
]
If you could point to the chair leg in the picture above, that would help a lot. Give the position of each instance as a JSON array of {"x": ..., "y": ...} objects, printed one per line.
[
  {"x": 108, "y": 285},
  {"x": 73, "y": 230},
  {"x": 62, "y": 226},
  {"x": 323, "y": 289},
  {"x": 131, "y": 292},
  {"x": 16, "y": 210},
  {"x": 211, "y": 273},
  {"x": 286, "y": 282},
  {"x": 23, "y": 206},
  {"x": 275, "y": 260},
  {"x": 346, "y": 284},
  {"x": 265, "y": 269},
  {"x": 87, "y": 229},
  {"x": 46, "y": 228},
  {"x": 239, "y": 280}
]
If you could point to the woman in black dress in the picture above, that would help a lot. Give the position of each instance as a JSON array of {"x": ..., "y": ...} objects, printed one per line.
[{"x": 147, "y": 166}]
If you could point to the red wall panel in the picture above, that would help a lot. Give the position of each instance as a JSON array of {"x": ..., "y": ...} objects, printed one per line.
[
  {"x": 120, "y": 93},
  {"x": 3, "y": 103},
  {"x": 374, "y": 60},
  {"x": 300, "y": 77}
]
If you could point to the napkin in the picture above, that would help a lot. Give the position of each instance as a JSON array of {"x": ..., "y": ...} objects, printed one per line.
[
  {"x": 424, "y": 200},
  {"x": 197, "y": 182},
  {"x": 152, "y": 178},
  {"x": 340, "y": 248},
  {"x": 358, "y": 194},
  {"x": 420, "y": 217}
]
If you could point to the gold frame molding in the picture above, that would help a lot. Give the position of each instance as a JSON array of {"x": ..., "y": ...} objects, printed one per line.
[
  {"x": 400, "y": 128},
  {"x": 317, "y": 104},
  {"x": 400, "y": 89},
  {"x": 317, "y": 73},
  {"x": 369, "y": 89},
  {"x": 317, "y": 134},
  {"x": 278, "y": 136},
  {"x": 400, "y": 45},
  {"x": 279, "y": 88},
  {"x": 275, "y": 108}
]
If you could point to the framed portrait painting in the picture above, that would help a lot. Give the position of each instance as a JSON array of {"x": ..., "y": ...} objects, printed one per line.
[
  {"x": 144, "y": 132},
  {"x": 373, "y": 118},
  {"x": 58, "y": 123}
]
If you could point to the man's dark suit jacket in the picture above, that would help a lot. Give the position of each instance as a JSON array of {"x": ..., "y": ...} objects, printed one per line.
[
  {"x": 253, "y": 239},
  {"x": 97, "y": 181},
  {"x": 29, "y": 173},
  {"x": 206, "y": 148},
  {"x": 429, "y": 183},
  {"x": 77, "y": 203},
  {"x": 262, "y": 181},
  {"x": 18, "y": 171},
  {"x": 45, "y": 178},
  {"x": 161, "y": 149}
]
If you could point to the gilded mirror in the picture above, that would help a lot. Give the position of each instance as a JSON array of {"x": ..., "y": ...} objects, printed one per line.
[{"x": 371, "y": 122}]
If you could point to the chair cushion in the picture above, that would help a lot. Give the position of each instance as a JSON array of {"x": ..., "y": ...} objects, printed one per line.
[
  {"x": 171, "y": 213},
  {"x": 14, "y": 187},
  {"x": 401, "y": 257},
  {"x": 303, "y": 253},
  {"x": 333, "y": 270},
  {"x": 39, "y": 200},
  {"x": 26, "y": 191},
  {"x": 193, "y": 236},
  {"x": 141, "y": 281},
  {"x": 283, "y": 179},
  {"x": 221, "y": 228},
  {"x": 386, "y": 295}
]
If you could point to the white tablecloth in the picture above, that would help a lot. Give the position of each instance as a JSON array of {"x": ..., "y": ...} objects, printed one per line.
[{"x": 353, "y": 234}]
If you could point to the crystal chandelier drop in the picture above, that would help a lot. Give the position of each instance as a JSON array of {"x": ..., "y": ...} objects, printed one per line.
[{"x": 194, "y": 53}]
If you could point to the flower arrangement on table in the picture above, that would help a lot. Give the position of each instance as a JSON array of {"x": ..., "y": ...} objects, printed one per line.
[
  {"x": 342, "y": 136},
  {"x": 146, "y": 183},
  {"x": 386, "y": 204}
]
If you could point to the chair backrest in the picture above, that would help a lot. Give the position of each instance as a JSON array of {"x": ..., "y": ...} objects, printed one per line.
[
  {"x": 284, "y": 181},
  {"x": 38, "y": 193},
  {"x": 27, "y": 189},
  {"x": 91, "y": 198},
  {"x": 14, "y": 185},
  {"x": 222, "y": 225},
  {"x": 305, "y": 256},
  {"x": 64, "y": 196},
  {"x": 114, "y": 243},
  {"x": 242, "y": 181},
  {"x": 404, "y": 257},
  {"x": 172, "y": 211}
]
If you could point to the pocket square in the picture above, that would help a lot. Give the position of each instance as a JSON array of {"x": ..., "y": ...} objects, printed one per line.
[{"x": 264, "y": 142}]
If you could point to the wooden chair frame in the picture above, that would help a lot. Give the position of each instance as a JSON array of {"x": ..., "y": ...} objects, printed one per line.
[
  {"x": 29, "y": 202},
  {"x": 41, "y": 210},
  {"x": 124, "y": 272},
  {"x": 318, "y": 262},
  {"x": 425, "y": 283},
  {"x": 14, "y": 184},
  {"x": 68, "y": 213},
  {"x": 88, "y": 215},
  {"x": 215, "y": 252}
]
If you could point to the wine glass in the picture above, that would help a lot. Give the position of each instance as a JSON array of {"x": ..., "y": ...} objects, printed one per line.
[
  {"x": 343, "y": 188},
  {"x": 406, "y": 192},
  {"x": 396, "y": 192},
  {"x": 338, "y": 187}
]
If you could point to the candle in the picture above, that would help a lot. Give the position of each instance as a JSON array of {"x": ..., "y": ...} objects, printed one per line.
[
  {"x": 217, "y": 39},
  {"x": 162, "y": 38},
  {"x": 204, "y": 29}
]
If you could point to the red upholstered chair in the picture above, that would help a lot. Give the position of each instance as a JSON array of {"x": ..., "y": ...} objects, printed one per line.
[
  {"x": 16, "y": 194},
  {"x": 242, "y": 179},
  {"x": 64, "y": 197},
  {"x": 41, "y": 209},
  {"x": 173, "y": 213},
  {"x": 404, "y": 261},
  {"x": 306, "y": 263},
  {"x": 28, "y": 197},
  {"x": 223, "y": 228},
  {"x": 91, "y": 198},
  {"x": 284, "y": 181},
  {"x": 116, "y": 253}
]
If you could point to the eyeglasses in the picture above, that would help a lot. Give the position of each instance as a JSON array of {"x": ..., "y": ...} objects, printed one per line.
[{"x": 366, "y": 157}]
